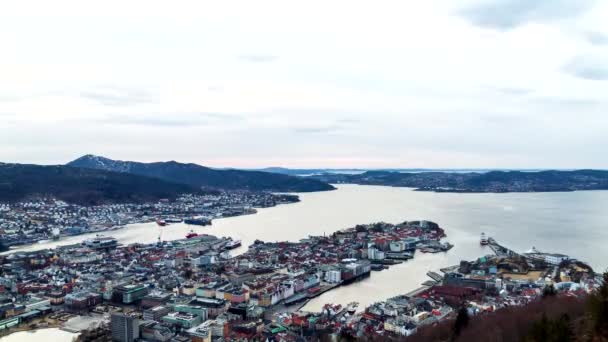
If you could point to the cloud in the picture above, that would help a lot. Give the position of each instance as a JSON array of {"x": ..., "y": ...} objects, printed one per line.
[
  {"x": 589, "y": 67},
  {"x": 117, "y": 97},
  {"x": 508, "y": 14},
  {"x": 512, "y": 90},
  {"x": 258, "y": 58},
  {"x": 169, "y": 120},
  {"x": 597, "y": 38},
  {"x": 7, "y": 98},
  {"x": 318, "y": 130},
  {"x": 337, "y": 126}
]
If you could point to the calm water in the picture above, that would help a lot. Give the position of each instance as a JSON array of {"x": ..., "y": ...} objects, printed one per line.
[
  {"x": 572, "y": 223},
  {"x": 51, "y": 334}
]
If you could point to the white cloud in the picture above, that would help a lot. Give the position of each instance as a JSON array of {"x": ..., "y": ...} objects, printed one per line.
[{"x": 317, "y": 83}]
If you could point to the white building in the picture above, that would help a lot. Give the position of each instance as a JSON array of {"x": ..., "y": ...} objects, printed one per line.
[
  {"x": 555, "y": 259},
  {"x": 333, "y": 277}
]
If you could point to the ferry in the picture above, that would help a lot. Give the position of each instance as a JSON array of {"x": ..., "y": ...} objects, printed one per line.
[
  {"x": 484, "y": 240},
  {"x": 101, "y": 242},
  {"x": 232, "y": 244}
]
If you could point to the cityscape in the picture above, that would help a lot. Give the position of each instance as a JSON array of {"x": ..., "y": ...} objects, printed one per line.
[{"x": 318, "y": 171}]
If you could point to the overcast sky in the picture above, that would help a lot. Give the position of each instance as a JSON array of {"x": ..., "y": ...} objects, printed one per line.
[{"x": 433, "y": 83}]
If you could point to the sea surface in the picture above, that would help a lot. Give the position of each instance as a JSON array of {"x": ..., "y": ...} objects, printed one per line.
[{"x": 573, "y": 223}]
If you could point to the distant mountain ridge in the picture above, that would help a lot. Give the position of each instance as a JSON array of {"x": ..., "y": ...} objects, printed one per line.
[
  {"x": 20, "y": 182},
  {"x": 201, "y": 176},
  {"x": 492, "y": 181}
]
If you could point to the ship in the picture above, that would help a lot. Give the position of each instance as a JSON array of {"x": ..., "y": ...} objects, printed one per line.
[
  {"x": 100, "y": 242},
  {"x": 484, "y": 240},
  {"x": 198, "y": 221},
  {"x": 191, "y": 235},
  {"x": 232, "y": 244},
  {"x": 351, "y": 308}
]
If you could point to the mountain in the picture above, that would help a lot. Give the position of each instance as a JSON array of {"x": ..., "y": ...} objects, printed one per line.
[
  {"x": 200, "y": 176},
  {"x": 492, "y": 181},
  {"x": 20, "y": 182}
]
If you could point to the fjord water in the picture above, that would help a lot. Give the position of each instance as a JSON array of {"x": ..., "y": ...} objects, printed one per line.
[{"x": 572, "y": 223}]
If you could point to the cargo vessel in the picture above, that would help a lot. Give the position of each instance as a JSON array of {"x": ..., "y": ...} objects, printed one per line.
[{"x": 201, "y": 221}]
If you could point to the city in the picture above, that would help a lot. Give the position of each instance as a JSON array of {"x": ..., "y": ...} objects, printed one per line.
[
  {"x": 44, "y": 219},
  {"x": 306, "y": 171},
  {"x": 194, "y": 289}
]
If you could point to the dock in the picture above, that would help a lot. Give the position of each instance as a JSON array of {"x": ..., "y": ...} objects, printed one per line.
[
  {"x": 417, "y": 291},
  {"x": 435, "y": 276},
  {"x": 501, "y": 250}
]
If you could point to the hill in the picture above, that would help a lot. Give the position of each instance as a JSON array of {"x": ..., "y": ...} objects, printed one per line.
[
  {"x": 493, "y": 181},
  {"x": 20, "y": 182},
  {"x": 200, "y": 176}
]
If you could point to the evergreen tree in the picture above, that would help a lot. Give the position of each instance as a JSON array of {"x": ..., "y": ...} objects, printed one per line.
[
  {"x": 598, "y": 307},
  {"x": 462, "y": 320}
]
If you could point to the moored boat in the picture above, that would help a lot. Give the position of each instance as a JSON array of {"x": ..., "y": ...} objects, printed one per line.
[
  {"x": 484, "y": 240},
  {"x": 232, "y": 244},
  {"x": 191, "y": 235}
]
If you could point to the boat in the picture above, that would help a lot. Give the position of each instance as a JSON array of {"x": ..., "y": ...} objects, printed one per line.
[
  {"x": 351, "y": 308},
  {"x": 484, "y": 240},
  {"x": 161, "y": 223},
  {"x": 173, "y": 220},
  {"x": 55, "y": 233},
  {"x": 191, "y": 235},
  {"x": 446, "y": 246},
  {"x": 232, "y": 244},
  {"x": 101, "y": 242},
  {"x": 197, "y": 221}
]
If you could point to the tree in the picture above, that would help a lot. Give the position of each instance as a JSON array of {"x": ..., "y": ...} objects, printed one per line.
[
  {"x": 462, "y": 320},
  {"x": 598, "y": 308},
  {"x": 547, "y": 330},
  {"x": 549, "y": 291}
]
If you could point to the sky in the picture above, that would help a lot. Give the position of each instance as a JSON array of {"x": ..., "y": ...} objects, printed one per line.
[{"x": 307, "y": 84}]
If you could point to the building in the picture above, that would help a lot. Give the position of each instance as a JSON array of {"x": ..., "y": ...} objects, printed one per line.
[
  {"x": 156, "y": 313},
  {"x": 154, "y": 299},
  {"x": 183, "y": 320},
  {"x": 555, "y": 259},
  {"x": 152, "y": 331},
  {"x": 124, "y": 327},
  {"x": 197, "y": 310},
  {"x": 202, "y": 332},
  {"x": 129, "y": 294},
  {"x": 333, "y": 276},
  {"x": 79, "y": 301}
]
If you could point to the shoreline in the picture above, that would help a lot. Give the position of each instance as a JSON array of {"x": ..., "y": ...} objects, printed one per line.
[{"x": 24, "y": 247}]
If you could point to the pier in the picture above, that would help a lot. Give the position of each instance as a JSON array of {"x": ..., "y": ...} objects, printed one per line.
[
  {"x": 435, "y": 276},
  {"x": 501, "y": 250}
]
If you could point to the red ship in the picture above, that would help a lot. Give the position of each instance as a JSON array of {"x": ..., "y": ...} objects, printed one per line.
[{"x": 191, "y": 235}]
